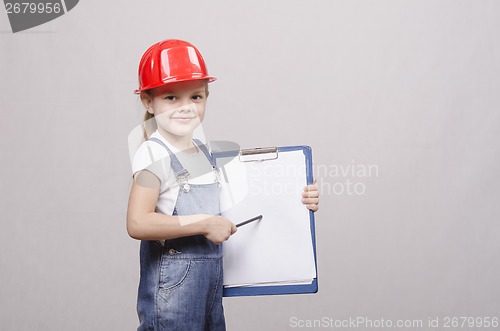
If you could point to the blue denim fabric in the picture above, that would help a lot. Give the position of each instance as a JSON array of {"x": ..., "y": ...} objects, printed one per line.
[{"x": 181, "y": 281}]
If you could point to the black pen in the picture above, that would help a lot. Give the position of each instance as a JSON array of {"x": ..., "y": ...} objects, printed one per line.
[{"x": 256, "y": 218}]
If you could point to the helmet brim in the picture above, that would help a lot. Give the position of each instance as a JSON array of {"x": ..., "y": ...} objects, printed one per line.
[{"x": 209, "y": 79}]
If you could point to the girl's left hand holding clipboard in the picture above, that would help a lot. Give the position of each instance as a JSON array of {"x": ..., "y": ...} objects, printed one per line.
[{"x": 310, "y": 196}]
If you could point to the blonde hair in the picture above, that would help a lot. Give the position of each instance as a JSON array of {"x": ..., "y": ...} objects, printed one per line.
[{"x": 149, "y": 125}]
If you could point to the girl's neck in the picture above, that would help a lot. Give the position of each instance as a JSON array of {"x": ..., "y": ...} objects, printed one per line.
[{"x": 182, "y": 143}]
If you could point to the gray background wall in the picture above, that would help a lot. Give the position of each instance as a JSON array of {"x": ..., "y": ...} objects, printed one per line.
[{"x": 408, "y": 87}]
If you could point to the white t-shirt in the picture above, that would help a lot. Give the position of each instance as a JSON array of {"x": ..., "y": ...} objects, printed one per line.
[{"x": 154, "y": 157}]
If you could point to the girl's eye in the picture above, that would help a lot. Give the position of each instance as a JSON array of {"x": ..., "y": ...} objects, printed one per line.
[
  {"x": 170, "y": 97},
  {"x": 197, "y": 97}
]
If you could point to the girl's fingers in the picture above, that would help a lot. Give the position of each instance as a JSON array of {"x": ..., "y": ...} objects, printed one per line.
[
  {"x": 312, "y": 187},
  {"x": 310, "y": 194},
  {"x": 309, "y": 201}
]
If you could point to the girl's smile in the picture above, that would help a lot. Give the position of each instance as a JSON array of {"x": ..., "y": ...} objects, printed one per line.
[{"x": 183, "y": 119}]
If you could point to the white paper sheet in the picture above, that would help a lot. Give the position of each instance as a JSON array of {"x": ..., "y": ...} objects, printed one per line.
[{"x": 276, "y": 250}]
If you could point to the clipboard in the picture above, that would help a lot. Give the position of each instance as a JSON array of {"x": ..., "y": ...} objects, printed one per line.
[{"x": 256, "y": 248}]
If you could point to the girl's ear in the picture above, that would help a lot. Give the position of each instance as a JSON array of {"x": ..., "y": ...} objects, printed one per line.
[{"x": 147, "y": 102}]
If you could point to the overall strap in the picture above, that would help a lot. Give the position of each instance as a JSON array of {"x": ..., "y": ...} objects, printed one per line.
[
  {"x": 205, "y": 151},
  {"x": 211, "y": 159},
  {"x": 179, "y": 170}
]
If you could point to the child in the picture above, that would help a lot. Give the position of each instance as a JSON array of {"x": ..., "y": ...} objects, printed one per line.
[{"x": 174, "y": 201}]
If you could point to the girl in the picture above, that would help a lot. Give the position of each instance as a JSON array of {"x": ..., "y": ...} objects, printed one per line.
[{"x": 174, "y": 201}]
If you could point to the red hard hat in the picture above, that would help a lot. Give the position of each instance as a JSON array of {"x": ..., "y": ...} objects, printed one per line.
[{"x": 171, "y": 61}]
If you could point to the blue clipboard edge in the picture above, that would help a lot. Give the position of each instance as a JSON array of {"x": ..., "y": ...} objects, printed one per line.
[{"x": 281, "y": 289}]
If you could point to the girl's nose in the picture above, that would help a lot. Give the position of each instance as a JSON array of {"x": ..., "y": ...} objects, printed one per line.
[{"x": 187, "y": 107}]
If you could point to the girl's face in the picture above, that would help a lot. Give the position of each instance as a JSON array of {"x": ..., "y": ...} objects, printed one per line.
[{"x": 177, "y": 107}]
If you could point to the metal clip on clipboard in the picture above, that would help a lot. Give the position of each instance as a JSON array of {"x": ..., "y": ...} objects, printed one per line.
[{"x": 258, "y": 154}]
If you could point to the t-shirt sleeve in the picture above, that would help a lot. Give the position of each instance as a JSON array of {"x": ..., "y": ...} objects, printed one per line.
[{"x": 154, "y": 158}]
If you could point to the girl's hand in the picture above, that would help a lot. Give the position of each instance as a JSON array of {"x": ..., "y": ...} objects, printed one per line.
[
  {"x": 310, "y": 196},
  {"x": 219, "y": 229}
]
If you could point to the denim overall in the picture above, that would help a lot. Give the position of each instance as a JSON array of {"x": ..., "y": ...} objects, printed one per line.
[{"x": 181, "y": 281}]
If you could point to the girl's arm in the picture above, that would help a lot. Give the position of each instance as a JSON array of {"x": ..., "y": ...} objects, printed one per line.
[
  {"x": 310, "y": 196},
  {"x": 144, "y": 223}
]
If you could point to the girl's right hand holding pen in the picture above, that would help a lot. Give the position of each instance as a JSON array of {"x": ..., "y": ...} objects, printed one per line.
[{"x": 218, "y": 229}]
